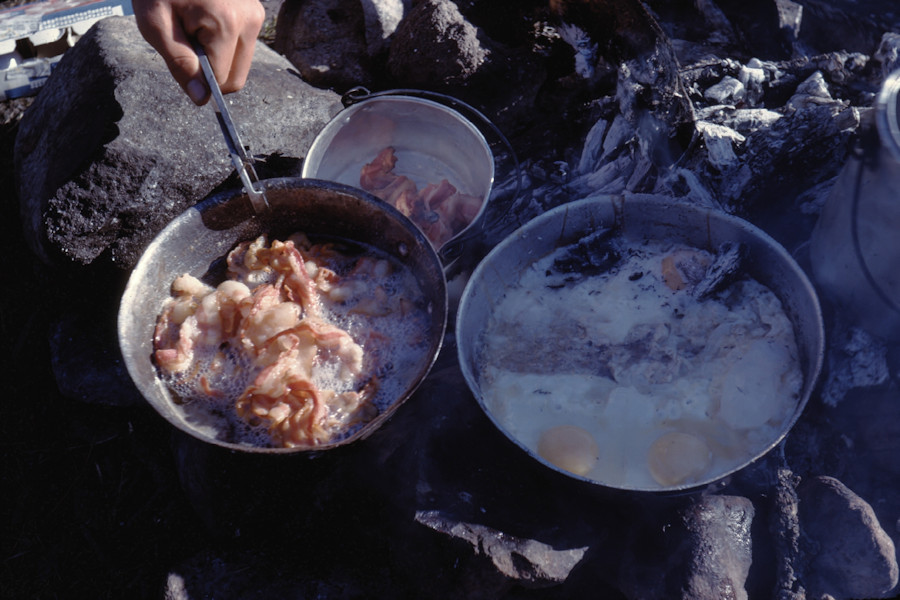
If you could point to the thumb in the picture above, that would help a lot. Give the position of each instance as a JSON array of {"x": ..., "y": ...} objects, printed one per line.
[
  {"x": 166, "y": 34},
  {"x": 181, "y": 58}
]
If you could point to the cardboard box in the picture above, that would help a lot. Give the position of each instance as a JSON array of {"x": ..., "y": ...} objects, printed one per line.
[{"x": 34, "y": 36}]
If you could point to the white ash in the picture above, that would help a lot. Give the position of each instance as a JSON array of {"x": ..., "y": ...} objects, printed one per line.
[
  {"x": 720, "y": 141},
  {"x": 888, "y": 53},
  {"x": 813, "y": 91},
  {"x": 753, "y": 77},
  {"x": 727, "y": 91},
  {"x": 592, "y": 146},
  {"x": 585, "y": 49}
]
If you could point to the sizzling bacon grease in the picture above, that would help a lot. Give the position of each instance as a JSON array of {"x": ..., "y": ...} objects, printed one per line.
[{"x": 274, "y": 343}]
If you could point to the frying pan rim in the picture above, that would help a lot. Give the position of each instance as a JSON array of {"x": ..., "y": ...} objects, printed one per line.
[{"x": 435, "y": 276}]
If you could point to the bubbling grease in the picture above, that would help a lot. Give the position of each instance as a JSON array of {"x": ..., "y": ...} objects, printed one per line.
[
  {"x": 627, "y": 379},
  {"x": 293, "y": 349}
]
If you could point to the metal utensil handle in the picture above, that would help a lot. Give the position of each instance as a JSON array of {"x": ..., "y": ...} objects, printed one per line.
[{"x": 242, "y": 162}]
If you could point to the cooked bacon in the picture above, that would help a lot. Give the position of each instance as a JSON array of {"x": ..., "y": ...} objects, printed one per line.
[
  {"x": 435, "y": 195},
  {"x": 439, "y": 210},
  {"x": 265, "y": 325},
  {"x": 294, "y": 416},
  {"x": 407, "y": 202},
  {"x": 175, "y": 348},
  {"x": 378, "y": 174},
  {"x": 467, "y": 207}
]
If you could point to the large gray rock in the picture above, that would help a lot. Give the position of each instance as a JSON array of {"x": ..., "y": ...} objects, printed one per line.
[
  {"x": 112, "y": 149},
  {"x": 325, "y": 40},
  {"x": 701, "y": 552},
  {"x": 849, "y": 554},
  {"x": 719, "y": 528},
  {"x": 338, "y": 43},
  {"x": 435, "y": 46},
  {"x": 528, "y": 561}
]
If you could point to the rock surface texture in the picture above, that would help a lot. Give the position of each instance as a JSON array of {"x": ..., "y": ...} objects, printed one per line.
[{"x": 111, "y": 150}]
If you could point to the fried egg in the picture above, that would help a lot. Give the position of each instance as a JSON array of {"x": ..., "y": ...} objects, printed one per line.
[{"x": 648, "y": 387}]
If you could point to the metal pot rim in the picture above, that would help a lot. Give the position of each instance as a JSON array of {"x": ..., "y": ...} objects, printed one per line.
[
  {"x": 321, "y": 144},
  {"x": 623, "y": 212},
  {"x": 887, "y": 114}
]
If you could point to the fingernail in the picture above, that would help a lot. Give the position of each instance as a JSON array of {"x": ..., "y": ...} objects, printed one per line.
[{"x": 196, "y": 91}]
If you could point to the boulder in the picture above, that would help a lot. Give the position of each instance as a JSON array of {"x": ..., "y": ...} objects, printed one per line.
[
  {"x": 702, "y": 551},
  {"x": 849, "y": 554},
  {"x": 112, "y": 149},
  {"x": 722, "y": 548},
  {"x": 529, "y": 561},
  {"x": 435, "y": 46},
  {"x": 326, "y": 41}
]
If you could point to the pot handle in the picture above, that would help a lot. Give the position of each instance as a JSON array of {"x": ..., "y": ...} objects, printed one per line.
[{"x": 454, "y": 248}]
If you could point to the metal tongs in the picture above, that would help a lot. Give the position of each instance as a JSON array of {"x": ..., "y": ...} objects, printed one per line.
[{"x": 242, "y": 162}]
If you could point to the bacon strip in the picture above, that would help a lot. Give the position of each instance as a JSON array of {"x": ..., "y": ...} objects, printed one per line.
[{"x": 439, "y": 210}]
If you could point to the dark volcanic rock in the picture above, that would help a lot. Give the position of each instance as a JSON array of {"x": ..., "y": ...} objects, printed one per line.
[
  {"x": 526, "y": 560},
  {"x": 704, "y": 553},
  {"x": 785, "y": 527},
  {"x": 849, "y": 554},
  {"x": 112, "y": 149},
  {"x": 435, "y": 46},
  {"x": 719, "y": 528},
  {"x": 846, "y": 24},
  {"x": 326, "y": 41}
]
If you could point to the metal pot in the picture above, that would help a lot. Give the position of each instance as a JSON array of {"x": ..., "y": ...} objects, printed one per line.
[
  {"x": 434, "y": 136},
  {"x": 854, "y": 248},
  {"x": 197, "y": 241},
  {"x": 642, "y": 218}
]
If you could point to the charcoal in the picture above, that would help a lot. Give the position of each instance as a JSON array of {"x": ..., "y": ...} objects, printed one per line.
[
  {"x": 724, "y": 270},
  {"x": 590, "y": 256}
]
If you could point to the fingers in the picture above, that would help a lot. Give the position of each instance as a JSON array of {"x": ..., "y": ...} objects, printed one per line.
[
  {"x": 229, "y": 38},
  {"x": 162, "y": 29},
  {"x": 243, "y": 56},
  {"x": 227, "y": 30}
]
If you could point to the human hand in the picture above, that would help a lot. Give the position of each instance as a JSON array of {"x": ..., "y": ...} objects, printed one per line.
[{"x": 227, "y": 30}]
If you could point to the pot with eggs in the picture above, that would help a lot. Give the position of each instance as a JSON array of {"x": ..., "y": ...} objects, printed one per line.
[
  {"x": 641, "y": 343},
  {"x": 300, "y": 328}
]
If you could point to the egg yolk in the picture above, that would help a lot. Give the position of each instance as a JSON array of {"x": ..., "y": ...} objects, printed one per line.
[
  {"x": 569, "y": 447},
  {"x": 677, "y": 457}
]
